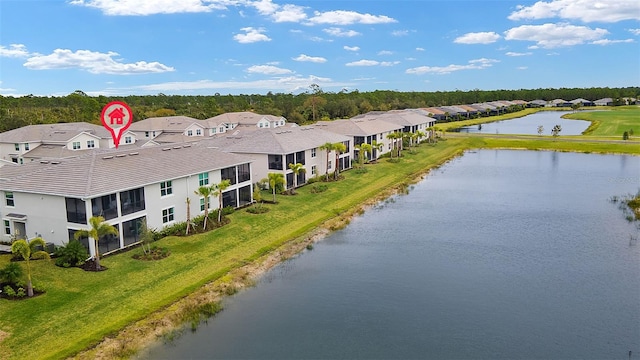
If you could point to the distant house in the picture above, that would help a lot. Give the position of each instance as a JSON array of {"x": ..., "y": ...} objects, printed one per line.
[
  {"x": 34, "y": 142},
  {"x": 582, "y": 102},
  {"x": 604, "y": 102},
  {"x": 559, "y": 103},
  {"x": 536, "y": 103},
  {"x": 249, "y": 119}
]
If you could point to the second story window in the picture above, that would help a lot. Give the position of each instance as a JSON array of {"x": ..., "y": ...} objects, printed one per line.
[
  {"x": 146, "y": 134},
  {"x": 166, "y": 188},
  {"x": 203, "y": 179},
  {"x": 91, "y": 144},
  {"x": 17, "y": 147},
  {"x": 128, "y": 140},
  {"x": 8, "y": 197},
  {"x": 313, "y": 152},
  {"x": 26, "y": 147},
  {"x": 76, "y": 145},
  {"x": 198, "y": 132},
  {"x": 189, "y": 132}
]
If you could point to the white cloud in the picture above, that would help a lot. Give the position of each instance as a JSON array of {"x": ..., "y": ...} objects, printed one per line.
[
  {"x": 307, "y": 58},
  {"x": 351, "y": 48},
  {"x": 284, "y": 84},
  {"x": 419, "y": 49},
  {"x": 265, "y": 7},
  {"x": 477, "y": 64},
  {"x": 372, "y": 63},
  {"x": 93, "y": 62},
  {"x": 268, "y": 70},
  {"x": 635, "y": 32},
  {"x": 583, "y": 10},
  {"x": 555, "y": 35},
  {"x": 334, "y": 31},
  {"x": 14, "y": 51},
  {"x": 251, "y": 35},
  {"x": 145, "y": 7},
  {"x": 400, "y": 33},
  {"x": 477, "y": 38},
  {"x": 385, "y": 52},
  {"x": 609, "y": 42},
  {"x": 289, "y": 13},
  {"x": 522, "y": 67},
  {"x": 342, "y": 17},
  {"x": 511, "y": 53}
]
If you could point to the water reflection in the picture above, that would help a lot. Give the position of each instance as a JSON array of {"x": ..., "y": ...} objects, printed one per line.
[{"x": 529, "y": 125}]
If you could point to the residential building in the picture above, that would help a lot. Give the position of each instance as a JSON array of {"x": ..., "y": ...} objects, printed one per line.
[
  {"x": 53, "y": 199},
  {"x": 363, "y": 130}
]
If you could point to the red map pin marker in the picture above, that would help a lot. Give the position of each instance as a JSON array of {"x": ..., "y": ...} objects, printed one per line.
[{"x": 116, "y": 117}]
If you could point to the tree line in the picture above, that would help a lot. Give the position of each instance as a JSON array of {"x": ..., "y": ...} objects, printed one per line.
[{"x": 310, "y": 106}]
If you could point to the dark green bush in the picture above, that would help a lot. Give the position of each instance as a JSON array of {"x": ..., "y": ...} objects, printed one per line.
[
  {"x": 11, "y": 273},
  {"x": 72, "y": 255}
]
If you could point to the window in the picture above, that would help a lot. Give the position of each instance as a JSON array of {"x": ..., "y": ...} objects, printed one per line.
[
  {"x": 131, "y": 230},
  {"x": 127, "y": 140},
  {"x": 15, "y": 160},
  {"x": 105, "y": 206},
  {"x": 8, "y": 197},
  {"x": 167, "y": 215},
  {"x": 166, "y": 188},
  {"x": 189, "y": 132},
  {"x": 203, "y": 179},
  {"x": 275, "y": 162},
  {"x": 291, "y": 159},
  {"x": 109, "y": 242},
  {"x": 313, "y": 152},
  {"x": 132, "y": 201},
  {"x": 146, "y": 134},
  {"x": 244, "y": 195},
  {"x": 21, "y": 161},
  {"x": 202, "y": 204},
  {"x": 153, "y": 134},
  {"x": 300, "y": 157},
  {"x": 76, "y": 145},
  {"x": 17, "y": 147},
  {"x": 76, "y": 211},
  {"x": 244, "y": 173},
  {"x": 26, "y": 147},
  {"x": 198, "y": 132},
  {"x": 230, "y": 198},
  {"x": 329, "y": 165},
  {"x": 91, "y": 144},
  {"x": 214, "y": 130},
  {"x": 229, "y": 174},
  {"x": 7, "y": 227},
  {"x": 313, "y": 170}
]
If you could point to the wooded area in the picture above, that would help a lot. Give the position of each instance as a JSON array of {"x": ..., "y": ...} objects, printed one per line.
[{"x": 315, "y": 104}]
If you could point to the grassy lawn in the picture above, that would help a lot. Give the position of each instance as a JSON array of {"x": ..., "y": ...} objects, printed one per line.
[
  {"x": 80, "y": 308},
  {"x": 611, "y": 122}
]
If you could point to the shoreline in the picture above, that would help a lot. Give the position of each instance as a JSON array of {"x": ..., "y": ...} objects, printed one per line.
[{"x": 138, "y": 337}]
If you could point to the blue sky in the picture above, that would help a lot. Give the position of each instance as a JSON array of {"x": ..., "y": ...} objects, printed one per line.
[{"x": 203, "y": 47}]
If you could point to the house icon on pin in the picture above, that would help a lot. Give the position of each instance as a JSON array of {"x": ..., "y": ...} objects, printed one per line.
[{"x": 116, "y": 115}]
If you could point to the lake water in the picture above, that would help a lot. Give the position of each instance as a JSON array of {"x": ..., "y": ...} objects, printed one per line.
[
  {"x": 498, "y": 254},
  {"x": 528, "y": 125}
]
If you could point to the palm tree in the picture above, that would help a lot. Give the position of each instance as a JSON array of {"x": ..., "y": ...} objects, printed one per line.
[
  {"x": 328, "y": 147},
  {"x": 275, "y": 180},
  {"x": 29, "y": 250},
  {"x": 364, "y": 149},
  {"x": 418, "y": 136},
  {"x": 296, "y": 168},
  {"x": 188, "y": 215},
  {"x": 218, "y": 189},
  {"x": 377, "y": 146},
  {"x": 339, "y": 149},
  {"x": 204, "y": 191},
  {"x": 393, "y": 137},
  {"x": 99, "y": 228}
]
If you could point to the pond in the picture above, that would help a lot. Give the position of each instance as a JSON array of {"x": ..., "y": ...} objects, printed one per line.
[
  {"x": 528, "y": 125},
  {"x": 498, "y": 254}
]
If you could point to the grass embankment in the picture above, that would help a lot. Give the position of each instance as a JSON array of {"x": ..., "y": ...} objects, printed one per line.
[
  {"x": 80, "y": 308},
  {"x": 612, "y": 122}
]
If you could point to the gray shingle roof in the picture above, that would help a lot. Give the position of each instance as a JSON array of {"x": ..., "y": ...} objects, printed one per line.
[
  {"x": 276, "y": 141},
  {"x": 165, "y": 123},
  {"x": 243, "y": 118},
  {"x": 52, "y": 133},
  {"x": 358, "y": 127},
  {"x": 104, "y": 172}
]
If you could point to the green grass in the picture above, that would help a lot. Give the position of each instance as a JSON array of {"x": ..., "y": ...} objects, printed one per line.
[
  {"x": 613, "y": 121},
  {"x": 80, "y": 308}
]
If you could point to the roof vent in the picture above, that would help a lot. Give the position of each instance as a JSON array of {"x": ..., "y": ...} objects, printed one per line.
[
  {"x": 177, "y": 147},
  {"x": 166, "y": 149},
  {"x": 121, "y": 155},
  {"x": 44, "y": 161},
  {"x": 55, "y": 162},
  {"x": 107, "y": 157},
  {"x": 134, "y": 153}
]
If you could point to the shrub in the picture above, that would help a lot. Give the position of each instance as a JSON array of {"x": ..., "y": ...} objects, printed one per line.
[
  {"x": 73, "y": 254},
  {"x": 9, "y": 292},
  {"x": 21, "y": 292},
  {"x": 228, "y": 210},
  {"x": 11, "y": 273},
  {"x": 318, "y": 188}
]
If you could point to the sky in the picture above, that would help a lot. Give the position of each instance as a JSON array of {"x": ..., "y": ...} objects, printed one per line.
[{"x": 204, "y": 47}]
